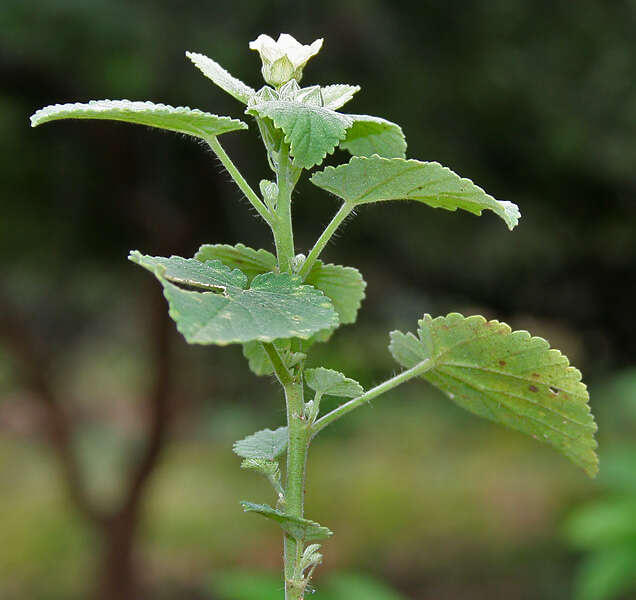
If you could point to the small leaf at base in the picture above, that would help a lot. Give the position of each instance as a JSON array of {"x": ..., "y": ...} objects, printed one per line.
[
  {"x": 263, "y": 445},
  {"x": 332, "y": 383}
]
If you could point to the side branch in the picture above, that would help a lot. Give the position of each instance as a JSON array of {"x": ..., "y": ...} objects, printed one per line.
[{"x": 378, "y": 390}]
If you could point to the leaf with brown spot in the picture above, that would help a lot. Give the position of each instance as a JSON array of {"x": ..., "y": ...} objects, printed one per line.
[{"x": 534, "y": 391}]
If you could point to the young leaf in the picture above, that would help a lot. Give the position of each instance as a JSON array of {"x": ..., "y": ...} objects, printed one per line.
[
  {"x": 335, "y": 96},
  {"x": 344, "y": 286},
  {"x": 373, "y": 135},
  {"x": 225, "y": 312},
  {"x": 300, "y": 529},
  {"x": 312, "y": 131},
  {"x": 262, "y": 445},
  {"x": 507, "y": 377},
  {"x": 249, "y": 261},
  {"x": 181, "y": 119},
  {"x": 214, "y": 71},
  {"x": 331, "y": 383},
  {"x": 374, "y": 179}
]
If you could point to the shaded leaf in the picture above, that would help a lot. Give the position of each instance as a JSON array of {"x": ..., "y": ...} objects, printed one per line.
[
  {"x": 262, "y": 445},
  {"x": 276, "y": 305},
  {"x": 335, "y": 96},
  {"x": 249, "y": 261},
  {"x": 373, "y": 135},
  {"x": 363, "y": 180},
  {"x": 259, "y": 362},
  {"x": 181, "y": 119},
  {"x": 214, "y": 71},
  {"x": 297, "y": 527},
  {"x": 332, "y": 383},
  {"x": 507, "y": 377},
  {"x": 312, "y": 131},
  {"x": 344, "y": 286}
]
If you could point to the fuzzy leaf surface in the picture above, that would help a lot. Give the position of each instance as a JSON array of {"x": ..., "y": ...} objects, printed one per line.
[
  {"x": 297, "y": 527},
  {"x": 264, "y": 445},
  {"x": 344, "y": 286},
  {"x": 375, "y": 179},
  {"x": 373, "y": 135},
  {"x": 226, "y": 311},
  {"x": 312, "y": 131},
  {"x": 181, "y": 119},
  {"x": 228, "y": 83},
  {"x": 332, "y": 383},
  {"x": 335, "y": 96},
  {"x": 507, "y": 377}
]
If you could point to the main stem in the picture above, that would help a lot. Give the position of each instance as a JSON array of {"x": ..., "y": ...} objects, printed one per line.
[{"x": 283, "y": 230}]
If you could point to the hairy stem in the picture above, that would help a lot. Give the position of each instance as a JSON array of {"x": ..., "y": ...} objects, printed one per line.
[
  {"x": 321, "y": 242},
  {"x": 283, "y": 230},
  {"x": 250, "y": 194},
  {"x": 378, "y": 390}
]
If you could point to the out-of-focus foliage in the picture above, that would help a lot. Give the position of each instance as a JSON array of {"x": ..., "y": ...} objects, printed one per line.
[{"x": 605, "y": 528}]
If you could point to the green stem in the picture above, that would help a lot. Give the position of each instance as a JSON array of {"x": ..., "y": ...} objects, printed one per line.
[
  {"x": 283, "y": 230},
  {"x": 321, "y": 242},
  {"x": 250, "y": 194},
  {"x": 347, "y": 407}
]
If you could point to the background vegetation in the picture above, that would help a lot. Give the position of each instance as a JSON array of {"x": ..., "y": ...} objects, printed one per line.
[{"x": 115, "y": 437}]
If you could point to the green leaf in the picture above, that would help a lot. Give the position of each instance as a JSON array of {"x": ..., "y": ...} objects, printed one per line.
[
  {"x": 312, "y": 131},
  {"x": 374, "y": 179},
  {"x": 262, "y": 445},
  {"x": 507, "y": 377},
  {"x": 297, "y": 527},
  {"x": 344, "y": 286},
  {"x": 335, "y": 96},
  {"x": 331, "y": 383},
  {"x": 249, "y": 261},
  {"x": 181, "y": 119},
  {"x": 214, "y": 71},
  {"x": 608, "y": 574},
  {"x": 225, "y": 312},
  {"x": 373, "y": 135},
  {"x": 259, "y": 362}
]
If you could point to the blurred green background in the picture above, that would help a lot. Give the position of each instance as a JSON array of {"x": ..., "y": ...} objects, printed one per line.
[{"x": 116, "y": 473}]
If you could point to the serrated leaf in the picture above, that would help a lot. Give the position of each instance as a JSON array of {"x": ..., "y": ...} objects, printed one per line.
[
  {"x": 249, "y": 261},
  {"x": 335, "y": 96},
  {"x": 374, "y": 179},
  {"x": 332, "y": 383},
  {"x": 373, "y": 135},
  {"x": 181, "y": 119},
  {"x": 262, "y": 445},
  {"x": 300, "y": 529},
  {"x": 225, "y": 311},
  {"x": 507, "y": 377},
  {"x": 312, "y": 131},
  {"x": 344, "y": 286},
  {"x": 228, "y": 83}
]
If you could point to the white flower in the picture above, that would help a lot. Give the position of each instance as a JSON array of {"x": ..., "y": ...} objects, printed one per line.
[{"x": 283, "y": 59}]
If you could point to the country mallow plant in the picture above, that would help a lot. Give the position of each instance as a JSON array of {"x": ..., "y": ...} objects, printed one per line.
[{"x": 278, "y": 305}]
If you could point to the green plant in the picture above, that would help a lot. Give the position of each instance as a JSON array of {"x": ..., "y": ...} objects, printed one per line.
[{"x": 278, "y": 306}]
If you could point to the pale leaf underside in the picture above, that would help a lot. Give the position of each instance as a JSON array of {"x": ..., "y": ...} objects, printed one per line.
[
  {"x": 337, "y": 95},
  {"x": 507, "y": 377},
  {"x": 373, "y": 135},
  {"x": 375, "y": 179},
  {"x": 181, "y": 119},
  {"x": 300, "y": 529},
  {"x": 212, "y": 305},
  {"x": 332, "y": 383},
  {"x": 228, "y": 83},
  {"x": 312, "y": 131},
  {"x": 265, "y": 444}
]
